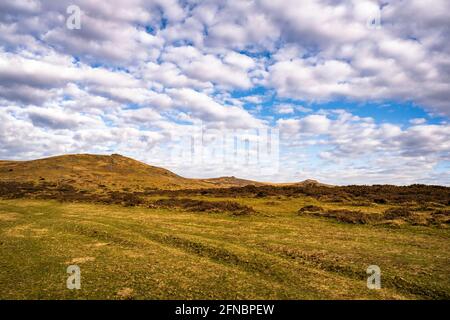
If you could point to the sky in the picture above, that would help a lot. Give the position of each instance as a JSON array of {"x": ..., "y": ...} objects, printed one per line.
[{"x": 344, "y": 92}]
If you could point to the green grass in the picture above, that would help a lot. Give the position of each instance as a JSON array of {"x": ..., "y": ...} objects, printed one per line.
[{"x": 275, "y": 253}]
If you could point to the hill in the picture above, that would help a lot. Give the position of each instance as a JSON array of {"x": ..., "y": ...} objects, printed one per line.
[
  {"x": 225, "y": 182},
  {"x": 292, "y": 241},
  {"x": 114, "y": 172},
  {"x": 304, "y": 183}
]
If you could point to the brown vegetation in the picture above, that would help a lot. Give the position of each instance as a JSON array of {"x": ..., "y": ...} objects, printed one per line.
[
  {"x": 203, "y": 206},
  {"x": 377, "y": 194},
  {"x": 391, "y": 216},
  {"x": 67, "y": 193},
  {"x": 348, "y": 216}
]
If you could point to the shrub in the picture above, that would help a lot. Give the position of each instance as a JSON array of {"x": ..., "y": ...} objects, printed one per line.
[
  {"x": 124, "y": 198},
  {"x": 399, "y": 212},
  {"x": 203, "y": 206},
  {"x": 261, "y": 194},
  {"x": 311, "y": 209},
  {"x": 343, "y": 215},
  {"x": 349, "y": 216},
  {"x": 441, "y": 212},
  {"x": 440, "y": 217}
]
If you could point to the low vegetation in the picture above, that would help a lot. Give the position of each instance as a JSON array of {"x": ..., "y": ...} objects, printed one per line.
[
  {"x": 171, "y": 252},
  {"x": 343, "y": 215},
  {"x": 417, "y": 205},
  {"x": 203, "y": 206},
  {"x": 132, "y": 241},
  {"x": 356, "y": 195},
  {"x": 391, "y": 216}
]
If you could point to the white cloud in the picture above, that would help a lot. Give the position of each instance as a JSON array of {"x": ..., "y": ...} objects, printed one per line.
[
  {"x": 58, "y": 119},
  {"x": 418, "y": 121},
  {"x": 205, "y": 108},
  {"x": 138, "y": 71},
  {"x": 371, "y": 152},
  {"x": 284, "y": 109},
  {"x": 210, "y": 68}
]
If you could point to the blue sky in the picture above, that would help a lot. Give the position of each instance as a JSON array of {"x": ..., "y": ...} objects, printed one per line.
[{"x": 266, "y": 90}]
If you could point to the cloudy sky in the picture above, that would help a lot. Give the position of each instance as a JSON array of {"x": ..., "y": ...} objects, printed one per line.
[{"x": 278, "y": 90}]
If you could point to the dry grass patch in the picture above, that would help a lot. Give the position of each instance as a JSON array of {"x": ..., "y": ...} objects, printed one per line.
[
  {"x": 26, "y": 230},
  {"x": 80, "y": 260},
  {"x": 126, "y": 294},
  {"x": 8, "y": 216}
]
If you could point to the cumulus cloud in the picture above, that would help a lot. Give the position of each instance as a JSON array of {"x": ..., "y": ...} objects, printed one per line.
[
  {"x": 285, "y": 109},
  {"x": 139, "y": 71},
  {"x": 58, "y": 119},
  {"x": 204, "y": 107},
  {"x": 350, "y": 142}
]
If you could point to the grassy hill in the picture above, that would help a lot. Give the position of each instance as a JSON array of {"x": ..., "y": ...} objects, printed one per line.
[
  {"x": 142, "y": 232},
  {"x": 114, "y": 172},
  {"x": 225, "y": 182}
]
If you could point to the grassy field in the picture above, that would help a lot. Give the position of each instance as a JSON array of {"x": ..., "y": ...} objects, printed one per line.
[{"x": 170, "y": 253}]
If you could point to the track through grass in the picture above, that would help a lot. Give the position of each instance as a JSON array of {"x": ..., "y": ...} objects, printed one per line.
[{"x": 141, "y": 253}]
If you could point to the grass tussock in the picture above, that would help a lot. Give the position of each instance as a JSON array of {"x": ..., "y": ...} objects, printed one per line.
[
  {"x": 342, "y": 215},
  {"x": 203, "y": 206},
  {"x": 391, "y": 216}
]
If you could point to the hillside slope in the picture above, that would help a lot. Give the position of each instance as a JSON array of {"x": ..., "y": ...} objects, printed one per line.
[
  {"x": 224, "y": 182},
  {"x": 306, "y": 183},
  {"x": 114, "y": 172}
]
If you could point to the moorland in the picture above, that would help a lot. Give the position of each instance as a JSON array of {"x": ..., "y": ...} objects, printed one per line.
[{"x": 143, "y": 232}]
